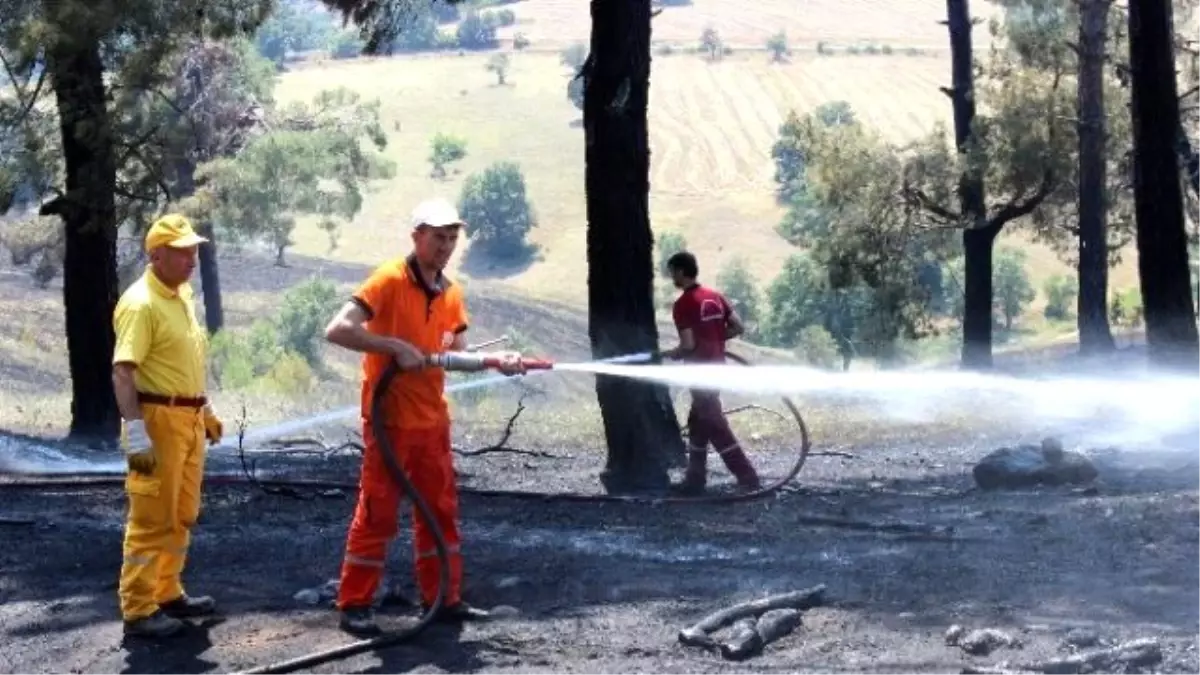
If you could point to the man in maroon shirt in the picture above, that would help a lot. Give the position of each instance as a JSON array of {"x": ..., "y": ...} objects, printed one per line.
[{"x": 705, "y": 320}]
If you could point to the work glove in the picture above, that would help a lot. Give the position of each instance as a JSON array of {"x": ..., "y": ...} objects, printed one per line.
[
  {"x": 139, "y": 452},
  {"x": 213, "y": 429}
]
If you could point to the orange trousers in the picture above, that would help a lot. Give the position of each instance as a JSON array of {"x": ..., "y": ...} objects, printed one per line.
[{"x": 426, "y": 458}]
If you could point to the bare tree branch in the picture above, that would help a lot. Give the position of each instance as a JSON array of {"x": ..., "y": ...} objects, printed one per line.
[{"x": 499, "y": 446}]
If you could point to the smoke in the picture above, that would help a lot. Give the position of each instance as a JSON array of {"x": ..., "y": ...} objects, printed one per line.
[
  {"x": 26, "y": 456},
  {"x": 17, "y": 456}
]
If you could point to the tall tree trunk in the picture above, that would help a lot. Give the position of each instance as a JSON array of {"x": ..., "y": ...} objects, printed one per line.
[
  {"x": 88, "y": 210},
  {"x": 210, "y": 281},
  {"x": 979, "y": 235},
  {"x": 640, "y": 425},
  {"x": 1158, "y": 196},
  {"x": 210, "y": 278},
  {"x": 1095, "y": 336},
  {"x": 978, "y": 296}
]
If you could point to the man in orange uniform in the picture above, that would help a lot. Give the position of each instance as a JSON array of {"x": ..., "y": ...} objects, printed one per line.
[
  {"x": 705, "y": 320},
  {"x": 159, "y": 380},
  {"x": 405, "y": 310}
]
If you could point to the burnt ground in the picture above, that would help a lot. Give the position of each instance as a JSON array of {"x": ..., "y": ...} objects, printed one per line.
[{"x": 605, "y": 588}]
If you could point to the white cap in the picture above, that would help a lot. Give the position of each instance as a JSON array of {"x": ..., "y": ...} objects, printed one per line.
[{"x": 435, "y": 213}]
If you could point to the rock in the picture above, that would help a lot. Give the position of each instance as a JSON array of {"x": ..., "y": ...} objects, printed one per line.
[
  {"x": 954, "y": 634},
  {"x": 984, "y": 641},
  {"x": 1029, "y": 465}
]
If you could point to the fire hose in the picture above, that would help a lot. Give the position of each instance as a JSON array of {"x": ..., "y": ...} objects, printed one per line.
[
  {"x": 473, "y": 362},
  {"x": 464, "y": 361}
]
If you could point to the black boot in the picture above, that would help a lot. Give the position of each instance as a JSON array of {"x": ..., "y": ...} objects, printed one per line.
[
  {"x": 359, "y": 621},
  {"x": 185, "y": 607},
  {"x": 157, "y": 625}
]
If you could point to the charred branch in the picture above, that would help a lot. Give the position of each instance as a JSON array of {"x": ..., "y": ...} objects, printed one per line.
[
  {"x": 1128, "y": 657},
  {"x": 699, "y": 634}
]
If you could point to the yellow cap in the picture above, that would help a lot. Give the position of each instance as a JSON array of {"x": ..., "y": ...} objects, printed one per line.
[{"x": 173, "y": 230}]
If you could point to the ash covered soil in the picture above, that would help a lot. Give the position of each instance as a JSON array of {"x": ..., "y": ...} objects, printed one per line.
[{"x": 607, "y": 587}]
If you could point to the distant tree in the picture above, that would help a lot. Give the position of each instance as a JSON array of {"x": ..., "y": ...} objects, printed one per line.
[
  {"x": 445, "y": 11},
  {"x": 666, "y": 245},
  {"x": 1021, "y": 122},
  {"x": 1088, "y": 218},
  {"x": 213, "y": 103},
  {"x": 788, "y": 152},
  {"x": 1060, "y": 292},
  {"x": 1013, "y": 288},
  {"x": 302, "y": 313},
  {"x": 293, "y": 27},
  {"x": 835, "y": 113},
  {"x": 498, "y": 64},
  {"x": 1126, "y": 308},
  {"x": 795, "y": 299},
  {"x": 777, "y": 44},
  {"x": 345, "y": 45},
  {"x": 315, "y": 163},
  {"x": 37, "y": 242},
  {"x": 496, "y": 205},
  {"x": 505, "y": 17},
  {"x": 445, "y": 149},
  {"x": 816, "y": 347},
  {"x": 476, "y": 32},
  {"x": 737, "y": 284},
  {"x": 847, "y": 211},
  {"x": 87, "y": 55},
  {"x": 711, "y": 44}
]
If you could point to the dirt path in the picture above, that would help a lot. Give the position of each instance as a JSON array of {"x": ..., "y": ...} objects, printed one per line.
[{"x": 604, "y": 588}]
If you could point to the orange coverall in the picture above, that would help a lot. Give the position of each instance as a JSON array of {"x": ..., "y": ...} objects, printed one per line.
[{"x": 400, "y": 304}]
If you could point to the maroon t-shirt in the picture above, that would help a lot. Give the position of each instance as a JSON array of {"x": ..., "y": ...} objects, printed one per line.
[{"x": 706, "y": 312}]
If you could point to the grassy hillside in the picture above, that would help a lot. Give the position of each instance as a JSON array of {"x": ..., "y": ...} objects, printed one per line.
[
  {"x": 711, "y": 126},
  {"x": 711, "y": 130},
  {"x": 843, "y": 22}
]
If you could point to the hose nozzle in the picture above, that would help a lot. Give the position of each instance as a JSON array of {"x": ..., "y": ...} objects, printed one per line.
[{"x": 470, "y": 362}]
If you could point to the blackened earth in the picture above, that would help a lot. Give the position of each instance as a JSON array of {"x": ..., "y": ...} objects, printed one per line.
[{"x": 606, "y": 588}]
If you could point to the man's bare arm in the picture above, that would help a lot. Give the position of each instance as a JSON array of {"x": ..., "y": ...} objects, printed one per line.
[
  {"x": 126, "y": 391},
  {"x": 347, "y": 329},
  {"x": 687, "y": 344},
  {"x": 734, "y": 326}
]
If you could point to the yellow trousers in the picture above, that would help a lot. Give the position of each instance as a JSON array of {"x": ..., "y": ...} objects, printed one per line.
[{"x": 163, "y": 507}]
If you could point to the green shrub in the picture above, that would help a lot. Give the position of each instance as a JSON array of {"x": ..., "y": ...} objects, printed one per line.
[
  {"x": 816, "y": 347},
  {"x": 291, "y": 375},
  {"x": 302, "y": 316}
]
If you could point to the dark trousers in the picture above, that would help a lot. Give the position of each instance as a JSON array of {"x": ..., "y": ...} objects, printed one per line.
[{"x": 707, "y": 424}]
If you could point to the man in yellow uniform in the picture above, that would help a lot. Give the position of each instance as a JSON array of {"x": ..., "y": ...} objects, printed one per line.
[{"x": 159, "y": 378}]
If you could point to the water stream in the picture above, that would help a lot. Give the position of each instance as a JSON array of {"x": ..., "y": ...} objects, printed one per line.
[{"x": 1139, "y": 408}]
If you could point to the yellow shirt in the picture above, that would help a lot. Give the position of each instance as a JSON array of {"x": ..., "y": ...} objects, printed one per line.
[{"x": 157, "y": 332}]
